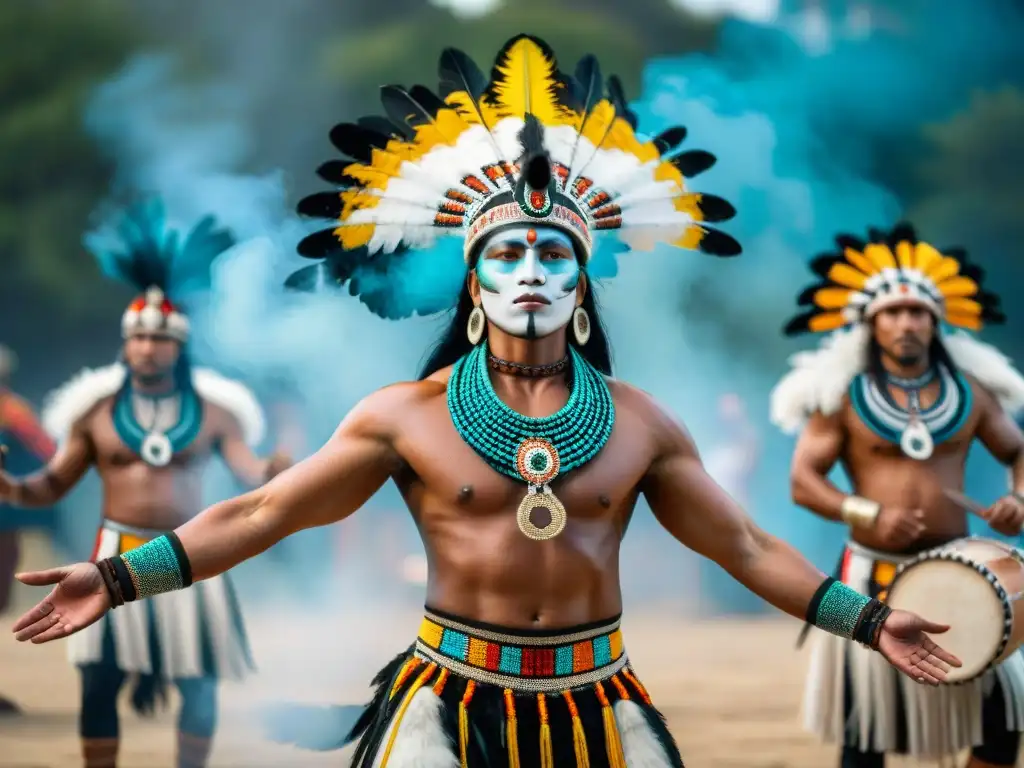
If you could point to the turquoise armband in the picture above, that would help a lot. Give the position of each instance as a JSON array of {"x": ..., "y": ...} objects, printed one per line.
[
  {"x": 158, "y": 566},
  {"x": 837, "y": 609}
]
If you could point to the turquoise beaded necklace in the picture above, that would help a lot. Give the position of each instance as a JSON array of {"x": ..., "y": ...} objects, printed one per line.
[{"x": 534, "y": 450}]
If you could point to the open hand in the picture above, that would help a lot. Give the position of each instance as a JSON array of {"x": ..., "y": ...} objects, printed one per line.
[
  {"x": 1006, "y": 516},
  {"x": 79, "y": 599},
  {"x": 905, "y": 645}
]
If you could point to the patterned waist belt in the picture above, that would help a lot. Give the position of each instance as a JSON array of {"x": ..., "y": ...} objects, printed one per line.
[{"x": 519, "y": 660}]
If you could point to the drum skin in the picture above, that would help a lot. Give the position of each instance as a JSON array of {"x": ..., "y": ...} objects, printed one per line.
[{"x": 974, "y": 585}]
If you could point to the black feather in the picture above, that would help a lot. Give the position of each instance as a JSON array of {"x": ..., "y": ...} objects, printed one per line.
[
  {"x": 973, "y": 271},
  {"x": 715, "y": 208},
  {"x": 902, "y": 232},
  {"x": 876, "y": 235},
  {"x": 820, "y": 265},
  {"x": 458, "y": 72},
  {"x": 715, "y": 243},
  {"x": 987, "y": 299},
  {"x": 308, "y": 279},
  {"x": 385, "y": 127},
  {"x": 668, "y": 140},
  {"x": 806, "y": 297},
  {"x": 535, "y": 161},
  {"x": 409, "y": 108},
  {"x": 693, "y": 163},
  {"x": 617, "y": 96},
  {"x": 319, "y": 244},
  {"x": 333, "y": 172},
  {"x": 849, "y": 241},
  {"x": 992, "y": 316},
  {"x": 357, "y": 142},
  {"x": 321, "y": 205},
  {"x": 799, "y": 324}
]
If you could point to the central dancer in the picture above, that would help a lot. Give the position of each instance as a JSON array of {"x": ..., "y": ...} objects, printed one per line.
[{"x": 520, "y": 459}]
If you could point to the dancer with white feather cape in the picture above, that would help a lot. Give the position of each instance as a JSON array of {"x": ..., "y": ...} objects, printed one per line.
[
  {"x": 898, "y": 399},
  {"x": 518, "y": 455},
  {"x": 148, "y": 425}
]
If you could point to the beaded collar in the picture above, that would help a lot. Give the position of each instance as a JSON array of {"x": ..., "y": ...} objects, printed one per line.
[
  {"x": 915, "y": 429},
  {"x": 157, "y": 447},
  {"x": 532, "y": 450}
]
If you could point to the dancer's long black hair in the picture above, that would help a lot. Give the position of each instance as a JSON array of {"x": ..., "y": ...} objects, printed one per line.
[{"x": 454, "y": 343}]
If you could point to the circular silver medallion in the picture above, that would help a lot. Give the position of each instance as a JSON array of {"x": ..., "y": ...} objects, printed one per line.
[{"x": 156, "y": 449}]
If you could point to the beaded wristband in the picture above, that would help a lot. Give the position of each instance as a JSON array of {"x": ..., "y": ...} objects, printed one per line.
[
  {"x": 838, "y": 609},
  {"x": 158, "y": 566}
]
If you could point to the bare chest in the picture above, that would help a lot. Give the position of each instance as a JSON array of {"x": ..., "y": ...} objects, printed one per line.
[
  {"x": 113, "y": 450},
  {"x": 441, "y": 470}
]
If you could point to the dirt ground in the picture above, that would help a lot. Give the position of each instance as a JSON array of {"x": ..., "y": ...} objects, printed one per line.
[{"x": 729, "y": 688}]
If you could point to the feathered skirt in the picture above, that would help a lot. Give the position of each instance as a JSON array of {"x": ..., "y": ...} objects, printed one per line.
[
  {"x": 855, "y": 697},
  {"x": 468, "y": 695}
]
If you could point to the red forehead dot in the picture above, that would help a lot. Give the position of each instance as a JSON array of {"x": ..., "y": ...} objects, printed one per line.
[{"x": 531, "y": 236}]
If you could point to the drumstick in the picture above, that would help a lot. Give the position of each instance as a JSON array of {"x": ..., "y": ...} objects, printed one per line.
[{"x": 966, "y": 502}]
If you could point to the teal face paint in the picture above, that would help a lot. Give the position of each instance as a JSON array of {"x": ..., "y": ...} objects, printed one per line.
[{"x": 528, "y": 278}]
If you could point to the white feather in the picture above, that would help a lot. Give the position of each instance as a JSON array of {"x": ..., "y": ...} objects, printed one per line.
[
  {"x": 819, "y": 379},
  {"x": 422, "y": 741},
  {"x": 235, "y": 398},
  {"x": 990, "y": 367},
  {"x": 70, "y": 402},
  {"x": 640, "y": 745}
]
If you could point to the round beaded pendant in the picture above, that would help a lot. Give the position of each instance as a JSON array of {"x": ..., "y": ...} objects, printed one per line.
[{"x": 537, "y": 462}]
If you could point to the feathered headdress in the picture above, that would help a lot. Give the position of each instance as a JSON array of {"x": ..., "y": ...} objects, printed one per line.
[
  {"x": 139, "y": 250},
  {"x": 530, "y": 145},
  {"x": 860, "y": 278}
]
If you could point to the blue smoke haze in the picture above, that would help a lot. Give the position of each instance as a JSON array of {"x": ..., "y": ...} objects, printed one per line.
[{"x": 795, "y": 126}]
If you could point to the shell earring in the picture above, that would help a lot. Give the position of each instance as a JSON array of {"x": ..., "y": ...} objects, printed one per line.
[
  {"x": 476, "y": 325},
  {"x": 581, "y": 326}
]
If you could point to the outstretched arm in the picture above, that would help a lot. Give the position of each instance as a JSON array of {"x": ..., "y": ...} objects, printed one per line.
[
  {"x": 327, "y": 487},
  {"x": 697, "y": 512},
  {"x": 50, "y": 484}
]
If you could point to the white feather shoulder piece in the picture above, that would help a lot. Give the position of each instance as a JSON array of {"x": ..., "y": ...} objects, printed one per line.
[
  {"x": 70, "y": 402},
  {"x": 990, "y": 367},
  {"x": 819, "y": 379}
]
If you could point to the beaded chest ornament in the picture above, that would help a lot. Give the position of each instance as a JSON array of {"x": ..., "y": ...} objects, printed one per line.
[{"x": 534, "y": 450}]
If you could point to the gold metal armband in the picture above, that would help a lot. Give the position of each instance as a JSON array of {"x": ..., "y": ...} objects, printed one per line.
[{"x": 858, "y": 512}]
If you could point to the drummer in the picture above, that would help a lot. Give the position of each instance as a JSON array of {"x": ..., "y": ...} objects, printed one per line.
[{"x": 898, "y": 402}]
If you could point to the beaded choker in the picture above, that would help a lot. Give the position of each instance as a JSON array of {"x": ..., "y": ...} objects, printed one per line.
[
  {"x": 533, "y": 450},
  {"x": 915, "y": 429},
  {"x": 528, "y": 371},
  {"x": 155, "y": 446}
]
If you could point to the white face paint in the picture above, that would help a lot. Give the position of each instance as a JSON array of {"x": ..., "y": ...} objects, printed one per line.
[{"x": 528, "y": 278}]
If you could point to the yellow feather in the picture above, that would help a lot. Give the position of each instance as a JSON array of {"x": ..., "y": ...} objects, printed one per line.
[
  {"x": 962, "y": 306},
  {"x": 880, "y": 256},
  {"x": 371, "y": 178},
  {"x": 926, "y": 257},
  {"x": 357, "y": 199},
  {"x": 905, "y": 254},
  {"x": 690, "y": 205},
  {"x": 844, "y": 274},
  {"x": 944, "y": 269},
  {"x": 668, "y": 172},
  {"x": 690, "y": 239},
  {"x": 970, "y": 322},
  {"x": 355, "y": 235},
  {"x": 826, "y": 321},
  {"x": 958, "y": 286},
  {"x": 857, "y": 259},
  {"x": 598, "y": 121},
  {"x": 445, "y": 130},
  {"x": 832, "y": 298},
  {"x": 526, "y": 84},
  {"x": 621, "y": 137},
  {"x": 470, "y": 111}
]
